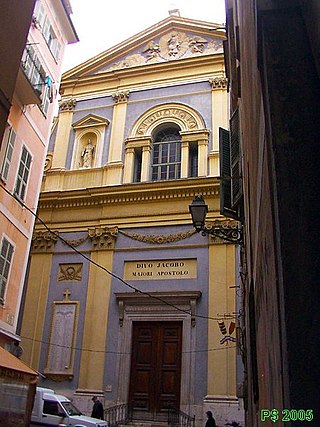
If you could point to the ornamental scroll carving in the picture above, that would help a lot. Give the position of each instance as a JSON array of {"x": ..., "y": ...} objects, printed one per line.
[
  {"x": 43, "y": 241},
  {"x": 103, "y": 237},
  {"x": 158, "y": 239}
]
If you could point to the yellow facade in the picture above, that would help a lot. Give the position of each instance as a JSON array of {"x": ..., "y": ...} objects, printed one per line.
[{"x": 118, "y": 207}]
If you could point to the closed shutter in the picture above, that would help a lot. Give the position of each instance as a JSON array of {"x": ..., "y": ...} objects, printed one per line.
[
  {"x": 226, "y": 208},
  {"x": 236, "y": 186}
]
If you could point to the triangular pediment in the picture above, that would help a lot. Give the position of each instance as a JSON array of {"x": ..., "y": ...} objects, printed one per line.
[
  {"x": 91, "y": 120},
  {"x": 174, "y": 38}
]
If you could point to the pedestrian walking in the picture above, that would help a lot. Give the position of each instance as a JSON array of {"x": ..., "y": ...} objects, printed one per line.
[
  {"x": 97, "y": 410},
  {"x": 210, "y": 421}
]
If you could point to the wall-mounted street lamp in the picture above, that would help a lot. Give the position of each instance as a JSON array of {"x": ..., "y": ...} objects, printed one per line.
[{"x": 199, "y": 210}]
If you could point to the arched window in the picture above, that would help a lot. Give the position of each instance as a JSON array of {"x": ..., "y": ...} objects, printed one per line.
[{"x": 166, "y": 161}]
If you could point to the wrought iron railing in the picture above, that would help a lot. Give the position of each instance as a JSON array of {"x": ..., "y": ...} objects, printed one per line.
[
  {"x": 116, "y": 415},
  {"x": 177, "y": 418}
]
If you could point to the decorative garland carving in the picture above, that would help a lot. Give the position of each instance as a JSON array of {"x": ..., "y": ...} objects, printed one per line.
[
  {"x": 43, "y": 241},
  {"x": 75, "y": 242},
  {"x": 103, "y": 237},
  {"x": 158, "y": 239}
]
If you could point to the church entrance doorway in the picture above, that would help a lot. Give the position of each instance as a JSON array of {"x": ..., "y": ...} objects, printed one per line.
[{"x": 155, "y": 376}]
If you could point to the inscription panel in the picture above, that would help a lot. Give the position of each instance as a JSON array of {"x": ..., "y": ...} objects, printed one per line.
[{"x": 160, "y": 269}]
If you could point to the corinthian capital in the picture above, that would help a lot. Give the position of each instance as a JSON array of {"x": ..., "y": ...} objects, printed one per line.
[
  {"x": 67, "y": 105},
  {"x": 120, "y": 96},
  {"x": 218, "y": 82},
  {"x": 103, "y": 237},
  {"x": 43, "y": 241}
]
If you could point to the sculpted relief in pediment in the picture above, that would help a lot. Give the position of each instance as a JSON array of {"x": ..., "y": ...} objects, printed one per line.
[{"x": 175, "y": 45}]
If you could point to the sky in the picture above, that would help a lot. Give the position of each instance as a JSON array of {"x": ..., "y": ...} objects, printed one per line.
[{"x": 101, "y": 24}]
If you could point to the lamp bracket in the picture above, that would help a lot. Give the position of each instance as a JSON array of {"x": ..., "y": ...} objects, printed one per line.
[{"x": 230, "y": 233}]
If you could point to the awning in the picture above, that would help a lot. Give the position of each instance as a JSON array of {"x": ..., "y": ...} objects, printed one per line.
[{"x": 13, "y": 368}]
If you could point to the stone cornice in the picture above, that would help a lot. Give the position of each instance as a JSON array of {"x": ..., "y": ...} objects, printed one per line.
[
  {"x": 133, "y": 193},
  {"x": 111, "y": 78}
]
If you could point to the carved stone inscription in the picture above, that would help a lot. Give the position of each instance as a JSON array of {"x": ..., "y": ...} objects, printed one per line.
[
  {"x": 160, "y": 269},
  {"x": 60, "y": 350}
]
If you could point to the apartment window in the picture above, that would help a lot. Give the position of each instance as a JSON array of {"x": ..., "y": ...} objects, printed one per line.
[
  {"x": 6, "y": 253},
  {"x": 39, "y": 13},
  {"x": 51, "y": 39},
  {"x": 8, "y": 143},
  {"x": 23, "y": 174},
  {"x": 166, "y": 154}
]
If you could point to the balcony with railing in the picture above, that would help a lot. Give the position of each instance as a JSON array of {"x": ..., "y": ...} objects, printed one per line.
[{"x": 31, "y": 79}]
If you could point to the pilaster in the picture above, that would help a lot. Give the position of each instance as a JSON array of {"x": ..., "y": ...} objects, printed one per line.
[
  {"x": 184, "y": 159},
  {"x": 146, "y": 160},
  {"x": 117, "y": 136},
  {"x": 219, "y": 108},
  {"x": 37, "y": 296},
  {"x": 66, "y": 110},
  {"x": 221, "y": 364},
  {"x": 98, "y": 295}
]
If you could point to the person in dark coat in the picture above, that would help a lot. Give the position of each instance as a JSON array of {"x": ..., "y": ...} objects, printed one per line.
[
  {"x": 97, "y": 410},
  {"x": 210, "y": 421}
]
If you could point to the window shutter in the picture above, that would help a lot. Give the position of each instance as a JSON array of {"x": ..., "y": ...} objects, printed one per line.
[
  {"x": 236, "y": 183},
  {"x": 10, "y": 136},
  {"x": 226, "y": 208}
]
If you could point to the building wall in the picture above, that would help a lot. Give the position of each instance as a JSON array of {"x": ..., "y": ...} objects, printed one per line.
[
  {"x": 279, "y": 169},
  {"x": 15, "y": 24},
  {"x": 31, "y": 120}
]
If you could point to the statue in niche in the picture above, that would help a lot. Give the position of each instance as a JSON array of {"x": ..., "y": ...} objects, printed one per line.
[{"x": 87, "y": 155}]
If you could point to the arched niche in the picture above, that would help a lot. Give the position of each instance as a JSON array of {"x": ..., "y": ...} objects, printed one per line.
[{"x": 89, "y": 137}]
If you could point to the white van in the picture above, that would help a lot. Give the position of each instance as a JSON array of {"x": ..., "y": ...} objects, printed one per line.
[{"x": 51, "y": 409}]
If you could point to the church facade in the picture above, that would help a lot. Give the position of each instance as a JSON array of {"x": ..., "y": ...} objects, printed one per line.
[{"x": 124, "y": 299}]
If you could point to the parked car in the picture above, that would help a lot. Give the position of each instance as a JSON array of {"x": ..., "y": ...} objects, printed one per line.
[{"x": 51, "y": 409}]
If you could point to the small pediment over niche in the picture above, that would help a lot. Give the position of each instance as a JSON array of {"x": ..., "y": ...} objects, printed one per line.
[{"x": 91, "y": 120}]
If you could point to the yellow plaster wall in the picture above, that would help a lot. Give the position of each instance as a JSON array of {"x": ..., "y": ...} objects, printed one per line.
[
  {"x": 36, "y": 297},
  {"x": 95, "y": 327},
  {"x": 61, "y": 143},
  {"x": 222, "y": 362}
]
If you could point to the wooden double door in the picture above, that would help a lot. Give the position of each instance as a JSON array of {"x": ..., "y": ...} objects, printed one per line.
[{"x": 155, "y": 377}]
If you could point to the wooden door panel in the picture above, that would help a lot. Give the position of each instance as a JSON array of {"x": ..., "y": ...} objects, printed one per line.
[{"x": 155, "y": 367}]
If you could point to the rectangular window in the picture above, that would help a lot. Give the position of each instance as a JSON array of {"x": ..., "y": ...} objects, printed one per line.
[
  {"x": 8, "y": 143},
  {"x": 39, "y": 13},
  {"x": 23, "y": 174},
  {"x": 51, "y": 39},
  {"x": 6, "y": 253}
]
